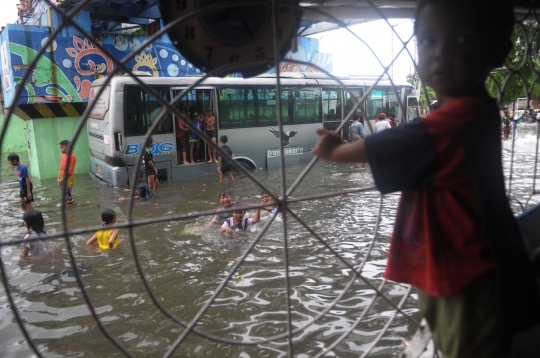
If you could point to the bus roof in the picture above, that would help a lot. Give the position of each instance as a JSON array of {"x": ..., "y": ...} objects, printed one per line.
[{"x": 286, "y": 78}]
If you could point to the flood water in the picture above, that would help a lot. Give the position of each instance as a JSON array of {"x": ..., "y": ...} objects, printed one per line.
[{"x": 184, "y": 263}]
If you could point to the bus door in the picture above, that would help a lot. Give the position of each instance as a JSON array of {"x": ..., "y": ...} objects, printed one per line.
[
  {"x": 352, "y": 96},
  {"x": 194, "y": 102},
  {"x": 331, "y": 108},
  {"x": 413, "y": 110},
  {"x": 140, "y": 110},
  {"x": 382, "y": 100}
]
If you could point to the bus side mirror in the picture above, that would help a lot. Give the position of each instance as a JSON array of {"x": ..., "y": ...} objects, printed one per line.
[{"x": 118, "y": 142}]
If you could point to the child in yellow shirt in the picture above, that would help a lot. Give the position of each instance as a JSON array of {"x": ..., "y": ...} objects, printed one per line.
[{"x": 106, "y": 238}]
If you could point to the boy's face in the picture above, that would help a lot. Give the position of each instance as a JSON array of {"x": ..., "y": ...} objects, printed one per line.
[
  {"x": 450, "y": 50},
  {"x": 225, "y": 200},
  {"x": 63, "y": 148},
  {"x": 237, "y": 216},
  {"x": 266, "y": 198},
  {"x": 12, "y": 162}
]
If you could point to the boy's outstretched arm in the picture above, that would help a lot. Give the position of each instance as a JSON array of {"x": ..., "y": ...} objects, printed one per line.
[
  {"x": 257, "y": 216},
  {"x": 114, "y": 235},
  {"x": 136, "y": 197},
  {"x": 330, "y": 147},
  {"x": 92, "y": 240},
  {"x": 226, "y": 230},
  {"x": 26, "y": 250}
]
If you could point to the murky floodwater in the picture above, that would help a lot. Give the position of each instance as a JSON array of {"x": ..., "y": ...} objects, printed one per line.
[{"x": 184, "y": 263}]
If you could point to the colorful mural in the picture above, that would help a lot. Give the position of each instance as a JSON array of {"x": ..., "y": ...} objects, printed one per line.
[
  {"x": 308, "y": 51},
  {"x": 65, "y": 71}
]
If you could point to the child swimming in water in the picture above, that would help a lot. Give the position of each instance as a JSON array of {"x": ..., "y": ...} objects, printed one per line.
[
  {"x": 106, "y": 238},
  {"x": 33, "y": 220},
  {"x": 226, "y": 201},
  {"x": 266, "y": 198},
  {"x": 143, "y": 191},
  {"x": 237, "y": 222}
]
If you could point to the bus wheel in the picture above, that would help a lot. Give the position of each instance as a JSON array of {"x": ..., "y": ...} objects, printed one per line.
[{"x": 247, "y": 164}]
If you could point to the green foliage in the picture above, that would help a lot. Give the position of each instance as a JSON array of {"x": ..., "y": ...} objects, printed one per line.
[
  {"x": 518, "y": 71},
  {"x": 518, "y": 75},
  {"x": 423, "y": 101},
  {"x": 139, "y": 32}
]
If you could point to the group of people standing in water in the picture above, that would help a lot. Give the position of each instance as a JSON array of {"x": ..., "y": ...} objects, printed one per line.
[
  {"x": 511, "y": 121},
  {"x": 35, "y": 243}
]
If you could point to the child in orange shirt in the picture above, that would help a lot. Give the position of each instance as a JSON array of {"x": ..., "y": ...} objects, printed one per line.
[{"x": 67, "y": 174}]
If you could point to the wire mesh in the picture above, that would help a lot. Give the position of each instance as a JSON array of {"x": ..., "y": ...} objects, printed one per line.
[{"x": 293, "y": 338}]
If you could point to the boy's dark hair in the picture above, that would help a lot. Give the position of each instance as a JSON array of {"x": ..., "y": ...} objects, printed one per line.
[
  {"x": 148, "y": 141},
  {"x": 392, "y": 114},
  {"x": 223, "y": 139},
  {"x": 108, "y": 215},
  {"x": 357, "y": 116},
  {"x": 237, "y": 208},
  {"x": 224, "y": 192},
  {"x": 13, "y": 157},
  {"x": 496, "y": 31},
  {"x": 64, "y": 142},
  {"x": 263, "y": 192},
  {"x": 34, "y": 219}
]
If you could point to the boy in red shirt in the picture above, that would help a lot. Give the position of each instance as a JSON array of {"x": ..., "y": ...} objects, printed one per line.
[
  {"x": 65, "y": 172},
  {"x": 455, "y": 237}
]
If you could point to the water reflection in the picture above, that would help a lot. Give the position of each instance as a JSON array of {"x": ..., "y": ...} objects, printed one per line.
[{"x": 183, "y": 263}]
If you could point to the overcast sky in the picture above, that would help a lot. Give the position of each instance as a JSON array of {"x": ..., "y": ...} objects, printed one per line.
[
  {"x": 351, "y": 56},
  {"x": 8, "y": 15}
]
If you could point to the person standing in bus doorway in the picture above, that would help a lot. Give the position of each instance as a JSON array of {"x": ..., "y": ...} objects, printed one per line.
[
  {"x": 224, "y": 166},
  {"x": 181, "y": 139},
  {"x": 25, "y": 185},
  {"x": 149, "y": 167},
  {"x": 194, "y": 139},
  {"x": 66, "y": 174},
  {"x": 392, "y": 120},
  {"x": 382, "y": 124},
  {"x": 357, "y": 131},
  {"x": 210, "y": 122}
]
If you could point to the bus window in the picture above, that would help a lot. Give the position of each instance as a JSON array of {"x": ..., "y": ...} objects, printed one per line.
[
  {"x": 237, "y": 107},
  {"x": 382, "y": 100},
  {"x": 331, "y": 103},
  {"x": 266, "y": 105},
  {"x": 141, "y": 109},
  {"x": 289, "y": 106},
  {"x": 308, "y": 105},
  {"x": 301, "y": 105},
  {"x": 195, "y": 100},
  {"x": 352, "y": 98}
]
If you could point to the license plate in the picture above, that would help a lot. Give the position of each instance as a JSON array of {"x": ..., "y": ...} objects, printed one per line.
[{"x": 99, "y": 169}]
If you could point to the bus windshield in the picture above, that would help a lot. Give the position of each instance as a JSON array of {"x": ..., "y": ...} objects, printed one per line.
[{"x": 141, "y": 109}]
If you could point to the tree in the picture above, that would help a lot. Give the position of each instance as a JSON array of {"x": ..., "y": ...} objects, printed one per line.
[{"x": 519, "y": 70}]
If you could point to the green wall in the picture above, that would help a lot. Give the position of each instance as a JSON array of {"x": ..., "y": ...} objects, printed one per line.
[
  {"x": 15, "y": 137},
  {"x": 44, "y": 153}
]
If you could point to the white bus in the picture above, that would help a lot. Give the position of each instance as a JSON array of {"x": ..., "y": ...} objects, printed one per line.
[{"x": 245, "y": 111}]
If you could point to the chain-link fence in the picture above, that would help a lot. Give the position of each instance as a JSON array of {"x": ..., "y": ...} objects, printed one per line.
[{"x": 356, "y": 314}]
